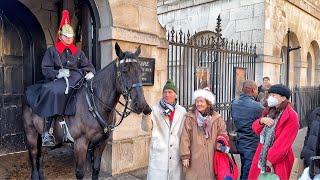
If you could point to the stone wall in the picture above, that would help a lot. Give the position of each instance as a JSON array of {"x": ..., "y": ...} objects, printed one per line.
[
  {"x": 130, "y": 23},
  {"x": 264, "y": 22},
  {"x": 281, "y": 15},
  {"x": 46, "y": 13},
  {"x": 242, "y": 20}
]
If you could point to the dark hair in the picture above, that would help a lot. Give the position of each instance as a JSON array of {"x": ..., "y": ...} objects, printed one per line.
[
  {"x": 266, "y": 77},
  {"x": 209, "y": 111}
]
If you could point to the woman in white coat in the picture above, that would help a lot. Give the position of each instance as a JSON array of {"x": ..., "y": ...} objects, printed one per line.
[{"x": 167, "y": 119}]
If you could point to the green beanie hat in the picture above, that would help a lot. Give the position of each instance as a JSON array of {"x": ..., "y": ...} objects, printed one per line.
[{"x": 170, "y": 85}]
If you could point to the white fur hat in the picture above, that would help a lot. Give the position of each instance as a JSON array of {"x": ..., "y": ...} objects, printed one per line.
[{"x": 205, "y": 93}]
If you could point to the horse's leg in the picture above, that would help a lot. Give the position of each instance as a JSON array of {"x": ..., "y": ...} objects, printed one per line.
[
  {"x": 80, "y": 153},
  {"x": 32, "y": 137},
  {"x": 97, "y": 154},
  {"x": 40, "y": 157}
]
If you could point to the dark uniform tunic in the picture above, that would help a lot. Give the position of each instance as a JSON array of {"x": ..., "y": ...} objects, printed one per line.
[{"x": 49, "y": 99}]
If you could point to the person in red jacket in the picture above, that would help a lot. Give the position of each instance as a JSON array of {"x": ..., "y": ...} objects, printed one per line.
[{"x": 278, "y": 128}]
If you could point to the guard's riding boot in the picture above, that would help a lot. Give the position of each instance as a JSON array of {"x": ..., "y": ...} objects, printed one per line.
[{"x": 47, "y": 139}]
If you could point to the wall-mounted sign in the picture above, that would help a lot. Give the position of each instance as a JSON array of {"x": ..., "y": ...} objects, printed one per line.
[
  {"x": 147, "y": 65},
  {"x": 239, "y": 76},
  {"x": 203, "y": 75}
]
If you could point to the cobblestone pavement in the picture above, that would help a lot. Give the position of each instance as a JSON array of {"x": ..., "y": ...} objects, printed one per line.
[{"x": 59, "y": 164}]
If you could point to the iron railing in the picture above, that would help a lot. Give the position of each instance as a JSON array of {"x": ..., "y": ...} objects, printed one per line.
[
  {"x": 226, "y": 62},
  {"x": 305, "y": 100}
]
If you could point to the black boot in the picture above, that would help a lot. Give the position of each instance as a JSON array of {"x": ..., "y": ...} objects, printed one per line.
[{"x": 47, "y": 139}]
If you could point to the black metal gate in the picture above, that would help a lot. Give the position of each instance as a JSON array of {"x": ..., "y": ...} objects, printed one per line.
[
  {"x": 305, "y": 100},
  {"x": 226, "y": 62}
]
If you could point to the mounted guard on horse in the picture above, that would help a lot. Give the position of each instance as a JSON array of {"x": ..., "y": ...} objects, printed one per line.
[
  {"x": 63, "y": 65},
  {"x": 88, "y": 112}
]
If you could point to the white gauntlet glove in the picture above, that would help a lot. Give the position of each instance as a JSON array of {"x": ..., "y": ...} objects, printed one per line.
[
  {"x": 63, "y": 73},
  {"x": 89, "y": 76}
]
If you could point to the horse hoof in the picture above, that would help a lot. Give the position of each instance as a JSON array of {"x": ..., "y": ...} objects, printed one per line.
[
  {"x": 41, "y": 175},
  {"x": 35, "y": 176}
]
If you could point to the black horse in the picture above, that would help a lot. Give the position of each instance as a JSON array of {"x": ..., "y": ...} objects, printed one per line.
[{"x": 121, "y": 77}]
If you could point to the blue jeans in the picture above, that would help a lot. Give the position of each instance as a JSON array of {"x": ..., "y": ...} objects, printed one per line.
[{"x": 246, "y": 159}]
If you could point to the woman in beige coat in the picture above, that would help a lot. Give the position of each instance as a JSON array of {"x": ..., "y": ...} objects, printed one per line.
[{"x": 198, "y": 139}]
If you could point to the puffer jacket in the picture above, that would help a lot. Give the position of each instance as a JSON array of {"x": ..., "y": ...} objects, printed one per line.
[{"x": 311, "y": 145}]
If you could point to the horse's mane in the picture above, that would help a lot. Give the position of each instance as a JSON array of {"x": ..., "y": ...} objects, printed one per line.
[{"x": 102, "y": 73}]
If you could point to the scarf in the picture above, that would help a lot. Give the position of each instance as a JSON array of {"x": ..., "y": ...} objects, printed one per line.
[
  {"x": 61, "y": 47},
  {"x": 168, "y": 108},
  {"x": 268, "y": 133},
  {"x": 204, "y": 122}
]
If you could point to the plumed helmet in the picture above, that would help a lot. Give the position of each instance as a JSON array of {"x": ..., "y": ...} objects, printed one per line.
[{"x": 67, "y": 30}]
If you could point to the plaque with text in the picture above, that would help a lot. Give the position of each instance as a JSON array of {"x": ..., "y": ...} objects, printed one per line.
[{"x": 147, "y": 65}]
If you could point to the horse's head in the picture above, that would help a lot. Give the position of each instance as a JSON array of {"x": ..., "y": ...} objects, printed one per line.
[{"x": 129, "y": 79}]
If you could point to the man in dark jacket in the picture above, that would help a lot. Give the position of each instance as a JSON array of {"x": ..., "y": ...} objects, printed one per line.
[
  {"x": 244, "y": 112},
  {"x": 265, "y": 84},
  {"x": 63, "y": 65},
  {"x": 311, "y": 145}
]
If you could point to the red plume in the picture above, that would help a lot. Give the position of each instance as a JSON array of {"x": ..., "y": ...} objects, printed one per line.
[{"x": 65, "y": 19}]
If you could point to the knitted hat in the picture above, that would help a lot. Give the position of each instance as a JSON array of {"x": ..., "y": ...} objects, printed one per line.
[
  {"x": 281, "y": 90},
  {"x": 204, "y": 93},
  {"x": 170, "y": 85}
]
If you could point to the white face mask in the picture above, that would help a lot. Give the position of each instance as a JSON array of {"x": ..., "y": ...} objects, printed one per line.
[{"x": 272, "y": 101}]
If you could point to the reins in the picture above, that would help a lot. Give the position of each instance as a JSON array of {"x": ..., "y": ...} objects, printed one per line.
[{"x": 126, "y": 92}]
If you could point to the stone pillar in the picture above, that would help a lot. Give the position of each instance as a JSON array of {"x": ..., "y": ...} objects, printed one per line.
[{"x": 133, "y": 23}]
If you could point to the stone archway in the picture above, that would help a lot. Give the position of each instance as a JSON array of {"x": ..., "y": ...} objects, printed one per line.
[
  {"x": 313, "y": 63},
  {"x": 24, "y": 39},
  {"x": 22, "y": 45}
]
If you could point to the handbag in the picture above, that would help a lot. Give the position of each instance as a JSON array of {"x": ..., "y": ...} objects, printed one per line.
[
  {"x": 232, "y": 141},
  {"x": 231, "y": 129},
  {"x": 268, "y": 176}
]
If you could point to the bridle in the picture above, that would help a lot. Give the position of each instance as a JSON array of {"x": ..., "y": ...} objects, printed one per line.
[{"x": 126, "y": 92}]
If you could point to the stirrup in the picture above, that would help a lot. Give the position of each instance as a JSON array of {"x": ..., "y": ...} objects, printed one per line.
[{"x": 48, "y": 140}]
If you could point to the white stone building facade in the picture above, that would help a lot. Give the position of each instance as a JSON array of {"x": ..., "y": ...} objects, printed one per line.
[{"x": 262, "y": 22}]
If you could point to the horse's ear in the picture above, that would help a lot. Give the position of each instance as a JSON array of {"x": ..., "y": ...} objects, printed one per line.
[
  {"x": 118, "y": 51},
  {"x": 138, "y": 51}
]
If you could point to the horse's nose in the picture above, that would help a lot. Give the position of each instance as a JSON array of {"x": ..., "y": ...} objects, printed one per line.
[{"x": 147, "y": 110}]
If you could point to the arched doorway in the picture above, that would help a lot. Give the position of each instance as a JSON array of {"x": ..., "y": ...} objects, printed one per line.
[
  {"x": 22, "y": 44},
  {"x": 291, "y": 70}
]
